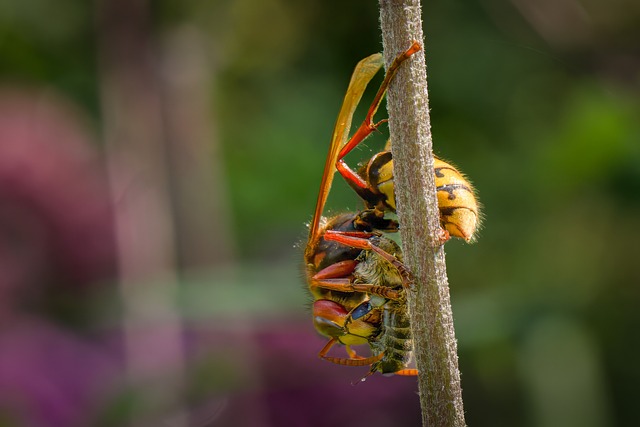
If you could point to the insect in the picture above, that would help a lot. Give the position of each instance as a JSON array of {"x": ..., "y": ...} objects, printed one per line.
[
  {"x": 457, "y": 202},
  {"x": 355, "y": 273}
]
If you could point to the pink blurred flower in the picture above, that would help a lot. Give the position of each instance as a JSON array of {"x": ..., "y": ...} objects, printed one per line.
[
  {"x": 55, "y": 217},
  {"x": 56, "y": 236}
]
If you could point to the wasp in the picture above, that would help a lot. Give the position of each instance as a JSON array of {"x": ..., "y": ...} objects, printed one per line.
[
  {"x": 355, "y": 273},
  {"x": 457, "y": 201}
]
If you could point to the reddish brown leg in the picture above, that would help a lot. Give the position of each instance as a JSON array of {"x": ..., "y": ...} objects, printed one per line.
[
  {"x": 361, "y": 243},
  {"x": 336, "y": 277},
  {"x": 352, "y": 353},
  {"x": 407, "y": 372},
  {"x": 359, "y": 234},
  {"x": 337, "y": 270},
  {"x": 402, "y": 372},
  {"x": 344, "y": 285},
  {"x": 368, "y": 126},
  {"x": 358, "y": 361}
]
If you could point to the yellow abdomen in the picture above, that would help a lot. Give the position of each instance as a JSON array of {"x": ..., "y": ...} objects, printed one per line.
[{"x": 459, "y": 209}]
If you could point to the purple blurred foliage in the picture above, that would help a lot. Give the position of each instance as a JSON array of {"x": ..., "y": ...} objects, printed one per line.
[
  {"x": 286, "y": 384},
  {"x": 50, "y": 377},
  {"x": 56, "y": 236},
  {"x": 56, "y": 223}
]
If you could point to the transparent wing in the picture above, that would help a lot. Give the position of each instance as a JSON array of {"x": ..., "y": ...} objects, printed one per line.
[{"x": 362, "y": 75}]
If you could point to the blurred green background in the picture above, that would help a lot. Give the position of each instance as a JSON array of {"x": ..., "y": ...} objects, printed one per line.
[{"x": 198, "y": 137}]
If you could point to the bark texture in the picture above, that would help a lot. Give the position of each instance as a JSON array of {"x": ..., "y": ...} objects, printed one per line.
[{"x": 429, "y": 303}]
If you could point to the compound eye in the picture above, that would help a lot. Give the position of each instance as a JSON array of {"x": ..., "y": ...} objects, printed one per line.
[{"x": 361, "y": 310}]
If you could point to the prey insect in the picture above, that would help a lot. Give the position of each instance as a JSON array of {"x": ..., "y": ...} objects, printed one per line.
[{"x": 355, "y": 273}]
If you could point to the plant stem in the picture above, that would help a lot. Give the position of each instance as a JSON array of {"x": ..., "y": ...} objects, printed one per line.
[{"x": 429, "y": 303}]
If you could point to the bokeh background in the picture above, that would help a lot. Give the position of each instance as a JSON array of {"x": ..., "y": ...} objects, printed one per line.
[{"x": 159, "y": 161}]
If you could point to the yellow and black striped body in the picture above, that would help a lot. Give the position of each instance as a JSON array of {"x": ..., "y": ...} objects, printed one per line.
[
  {"x": 393, "y": 338},
  {"x": 459, "y": 207}
]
